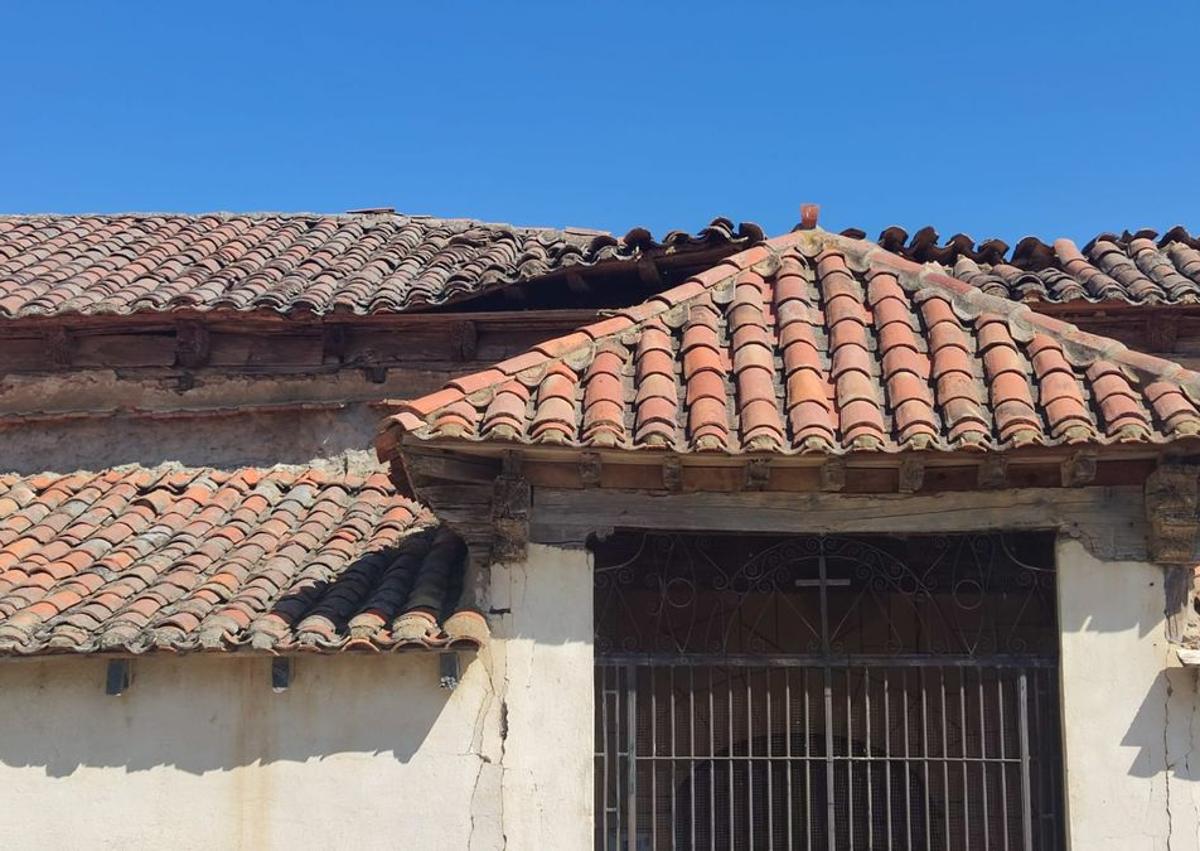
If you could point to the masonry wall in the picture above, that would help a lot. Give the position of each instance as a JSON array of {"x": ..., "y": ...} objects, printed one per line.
[
  {"x": 360, "y": 752},
  {"x": 1130, "y": 710}
]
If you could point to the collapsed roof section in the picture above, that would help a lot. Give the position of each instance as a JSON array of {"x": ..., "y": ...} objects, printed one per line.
[{"x": 301, "y": 264}]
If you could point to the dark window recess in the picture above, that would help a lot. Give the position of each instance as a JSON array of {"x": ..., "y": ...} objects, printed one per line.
[{"x": 827, "y": 693}]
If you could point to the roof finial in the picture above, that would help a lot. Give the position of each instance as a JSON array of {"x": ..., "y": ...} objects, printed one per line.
[{"x": 808, "y": 216}]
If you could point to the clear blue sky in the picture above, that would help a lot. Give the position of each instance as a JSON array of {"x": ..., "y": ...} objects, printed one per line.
[{"x": 999, "y": 119}]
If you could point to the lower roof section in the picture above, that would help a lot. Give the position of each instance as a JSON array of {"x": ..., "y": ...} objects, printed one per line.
[{"x": 134, "y": 559}]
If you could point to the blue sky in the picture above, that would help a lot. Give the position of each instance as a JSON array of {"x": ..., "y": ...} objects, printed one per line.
[{"x": 1001, "y": 119}]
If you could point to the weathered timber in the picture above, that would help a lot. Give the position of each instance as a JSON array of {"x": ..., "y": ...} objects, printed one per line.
[
  {"x": 1172, "y": 498},
  {"x": 1107, "y": 520}
]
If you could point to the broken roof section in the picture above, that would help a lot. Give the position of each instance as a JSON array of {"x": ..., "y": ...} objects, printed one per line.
[
  {"x": 278, "y": 560},
  {"x": 298, "y": 264},
  {"x": 1139, "y": 267},
  {"x": 812, "y": 344}
]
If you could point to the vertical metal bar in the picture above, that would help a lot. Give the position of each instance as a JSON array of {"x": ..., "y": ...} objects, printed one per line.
[
  {"x": 730, "y": 760},
  {"x": 1003, "y": 763},
  {"x": 887, "y": 752},
  {"x": 747, "y": 673},
  {"x": 962, "y": 741},
  {"x": 770, "y": 769},
  {"x": 925, "y": 759},
  {"x": 692, "y": 750},
  {"x": 907, "y": 770},
  {"x": 674, "y": 813},
  {"x": 653, "y": 757},
  {"x": 712, "y": 761},
  {"x": 618, "y": 809},
  {"x": 604, "y": 692},
  {"x": 945, "y": 756},
  {"x": 849, "y": 756},
  {"x": 787, "y": 744},
  {"x": 983, "y": 763},
  {"x": 807, "y": 767},
  {"x": 631, "y": 749},
  {"x": 822, "y": 586},
  {"x": 1023, "y": 733},
  {"x": 870, "y": 764},
  {"x": 1034, "y": 747}
]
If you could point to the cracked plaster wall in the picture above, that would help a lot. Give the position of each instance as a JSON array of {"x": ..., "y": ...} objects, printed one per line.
[
  {"x": 360, "y": 752},
  {"x": 1129, "y": 709}
]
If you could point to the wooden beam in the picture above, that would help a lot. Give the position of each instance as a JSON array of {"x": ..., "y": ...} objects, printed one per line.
[
  {"x": 1107, "y": 520},
  {"x": 192, "y": 344}
]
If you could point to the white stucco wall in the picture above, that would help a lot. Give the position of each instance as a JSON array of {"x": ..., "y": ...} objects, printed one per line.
[
  {"x": 1129, "y": 710},
  {"x": 360, "y": 752}
]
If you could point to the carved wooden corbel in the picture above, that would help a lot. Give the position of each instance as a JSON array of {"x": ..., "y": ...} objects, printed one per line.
[
  {"x": 833, "y": 475},
  {"x": 1079, "y": 469},
  {"x": 912, "y": 474},
  {"x": 993, "y": 472},
  {"x": 758, "y": 474},
  {"x": 672, "y": 474},
  {"x": 589, "y": 469},
  {"x": 511, "y": 501},
  {"x": 1172, "y": 497}
]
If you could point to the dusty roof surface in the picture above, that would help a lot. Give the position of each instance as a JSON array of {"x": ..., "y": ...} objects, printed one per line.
[
  {"x": 294, "y": 263},
  {"x": 1138, "y": 267},
  {"x": 280, "y": 559},
  {"x": 815, "y": 343}
]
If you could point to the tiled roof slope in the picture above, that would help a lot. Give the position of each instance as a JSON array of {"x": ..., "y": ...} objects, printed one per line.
[
  {"x": 815, "y": 343},
  {"x": 134, "y": 560},
  {"x": 1137, "y": 268},
  {"x": 355, "y": 264}
]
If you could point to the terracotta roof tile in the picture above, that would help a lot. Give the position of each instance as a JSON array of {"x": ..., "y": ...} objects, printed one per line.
[
  {"x": 1140, "y": 267},
  {"x": 201, "y": 559},
  {"x": 834, "y": 345},
  {"x": 295, "y": 263}
]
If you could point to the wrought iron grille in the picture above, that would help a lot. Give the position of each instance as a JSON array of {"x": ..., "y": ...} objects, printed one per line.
[{"x": 826, "y": 693}]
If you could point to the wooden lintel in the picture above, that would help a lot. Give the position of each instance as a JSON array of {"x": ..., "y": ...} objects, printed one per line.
[{"x": 1107, "y": 520}]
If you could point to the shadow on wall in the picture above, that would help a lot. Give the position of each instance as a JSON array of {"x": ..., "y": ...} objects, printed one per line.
[
  {"x": 201, "y": 713},
  {"x": 1164, "y": 730},
  {"x": 1117, "y": 664}
]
